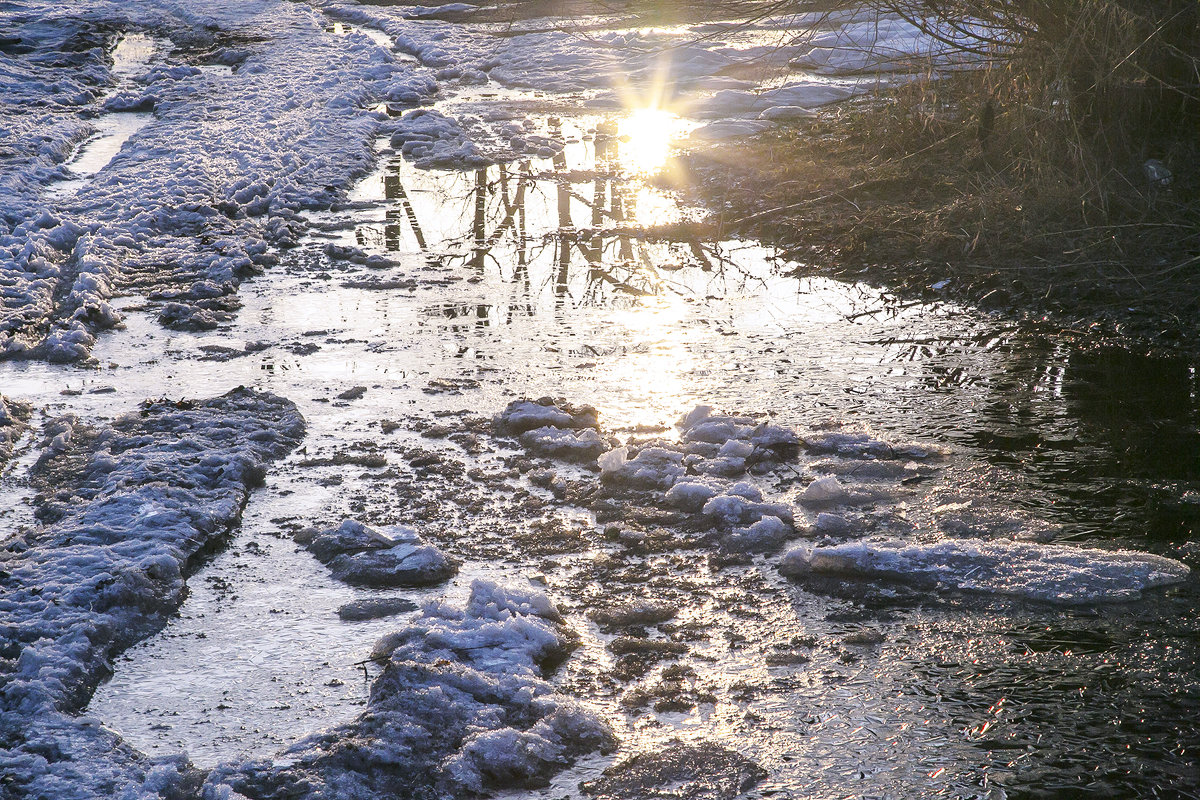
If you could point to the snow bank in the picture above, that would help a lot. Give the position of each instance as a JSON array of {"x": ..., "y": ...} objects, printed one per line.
[
  {"x": 132, "y": 505},
  {"x": 460, "y": 708},
  {"x": 1050, "y": 573},
  {"x": 392, "y": 556}
]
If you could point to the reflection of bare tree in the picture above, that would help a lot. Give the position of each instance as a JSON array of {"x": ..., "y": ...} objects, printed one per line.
[{"x": 590, "y": 242}]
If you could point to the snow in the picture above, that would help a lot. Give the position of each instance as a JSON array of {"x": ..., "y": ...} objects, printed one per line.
[
  {"x": 1050, "y": 573},
  {"x": 132, "y": 506},
  {"x": 217, "y": 175},
  {"x": 395, "y": 555},
  {"x": 460, "y": 708}
]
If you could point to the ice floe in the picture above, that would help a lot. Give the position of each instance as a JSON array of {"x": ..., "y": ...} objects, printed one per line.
[
  {"x": 460, "y": 708},
  {"x": 1050, "y": 573}
]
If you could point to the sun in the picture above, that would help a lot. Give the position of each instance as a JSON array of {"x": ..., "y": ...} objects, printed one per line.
[{"x": 646, "y": 135}]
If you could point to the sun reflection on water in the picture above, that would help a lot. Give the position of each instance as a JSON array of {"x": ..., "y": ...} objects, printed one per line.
[{"x": 645, "y": 135}]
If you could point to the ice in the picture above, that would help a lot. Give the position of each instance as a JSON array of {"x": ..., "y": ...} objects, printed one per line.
[
  {"x": 133, "y": 505},
  {"x": 14, "y": 417},
  {"x": 859, "y": 444},
  {"x": 584, "y": 445},
  {"x": 652, "y": 468},
  {"x": 826, "y": 490},
  {"x": 431, "y": 139},
  {"x": 764, "y": 536},
  {"x": 460, "y": 708},
  {"x": 291, "y": 122},
  {"x": 392, "y": 556},
  {"x": 733, "y": 509},
  {"x": 1049, "y": 573},
  {"x": 691, "y": 494},
  {"x": 520, "y": 416}
]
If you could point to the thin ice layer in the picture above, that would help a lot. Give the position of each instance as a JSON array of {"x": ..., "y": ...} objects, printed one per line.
[
  {"x": 1050, "y": 573},
  {"x": 135, "y": 503},
  {"x": 460, "y": 708}
]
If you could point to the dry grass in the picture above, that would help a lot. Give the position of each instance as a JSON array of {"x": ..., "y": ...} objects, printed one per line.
[{"x": 1023, "y": 181}]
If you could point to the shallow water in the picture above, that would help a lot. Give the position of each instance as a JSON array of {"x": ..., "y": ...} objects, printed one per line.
[
  {"x": 131, "y": 54},
  {"x": 548, "y": 276}
]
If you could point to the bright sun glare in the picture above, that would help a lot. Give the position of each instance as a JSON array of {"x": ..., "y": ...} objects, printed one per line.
[{"x": 646, "y": 139}]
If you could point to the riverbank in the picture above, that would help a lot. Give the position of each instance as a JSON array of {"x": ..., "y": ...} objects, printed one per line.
[{"x": 884, "y": 190}]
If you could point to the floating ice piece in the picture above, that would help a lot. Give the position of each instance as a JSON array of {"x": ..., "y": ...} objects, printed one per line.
[
  {"x": 433, "y": 140},
  {"x": 613, "y": 460},
  {"x": 697, "y": 414},
  {"x": 719, "y": 429},
  {"x": 520, "y": 416},
  {"x": 568, "y": 445},
  {"x": 826, "y": 490},
  {"x": 702, "y": 769},
  {"x": 722, "y": 466},
  {"x": 764, "y": 536},
  {"x": 641, "y": 612},
  {"x": 375, "y": 608},
  {"x": 460, "y": 709},
  {"x": 834, "y": 524},
  {"x": 391, "y": 556},
  {"x": 1051, "y": 573},
  {"x": 856, "y": 444},
  {"x": 691, "y": 494},
  {"x": 732, "y": 509},
  {"x": 652, "y": 468}
]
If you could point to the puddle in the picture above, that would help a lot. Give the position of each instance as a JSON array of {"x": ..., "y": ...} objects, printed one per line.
[
  {"x": 374, "y": 34},
  {"x": 130, "y": 56}
]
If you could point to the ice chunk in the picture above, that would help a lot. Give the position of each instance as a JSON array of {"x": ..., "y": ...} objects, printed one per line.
[
  {"x": 641, "y": 612},
  {"x": 652, "y": 468},
  {"x": 764, "y": 536},
  {"x": 1051, "y": 573},
  {"x": 826, "y": 490},
  {"x": 732, "y": 509},
  {"x": 834, "y": 524},
  {"x": 857, "y": 444},
  {"x": 568, "y": 445},
  {"x": 692, "y": 770},
  {"x": 520, "y": 416},
  {"x": 691, "y": 494},
  {"x": 613, "y": 460},
  {"x": 392, "y": 556}
]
